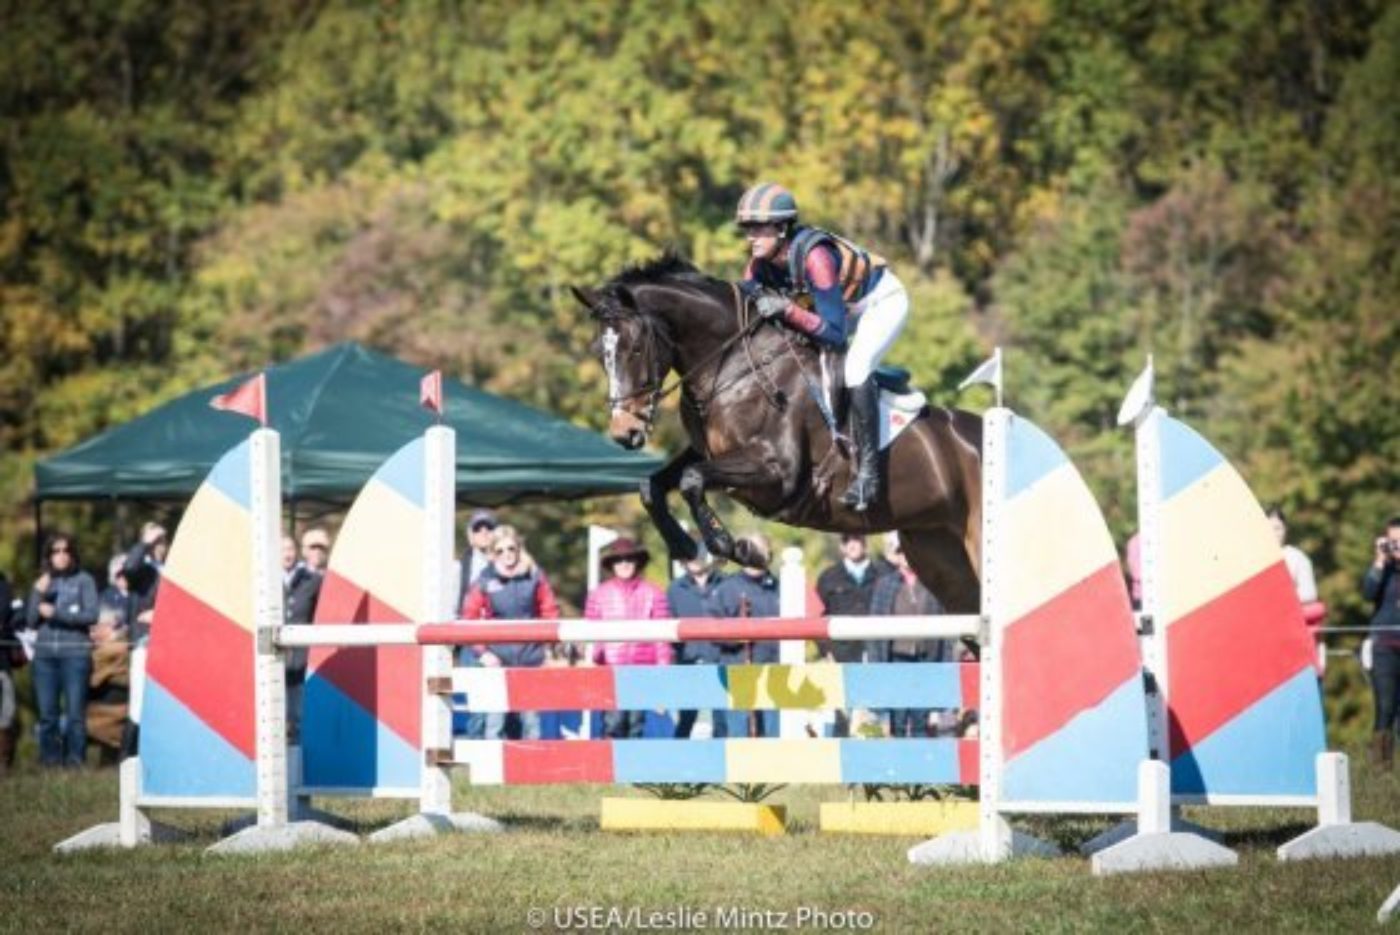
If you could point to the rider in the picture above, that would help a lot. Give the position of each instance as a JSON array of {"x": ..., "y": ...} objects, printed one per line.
[{"x": 820, "y": 278}]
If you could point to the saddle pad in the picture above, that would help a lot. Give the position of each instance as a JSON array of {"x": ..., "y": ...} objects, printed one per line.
[{"x": 897, "y": 412}]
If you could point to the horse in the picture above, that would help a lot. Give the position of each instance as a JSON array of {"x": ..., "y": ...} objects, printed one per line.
[{"x": 759, "y": 428}]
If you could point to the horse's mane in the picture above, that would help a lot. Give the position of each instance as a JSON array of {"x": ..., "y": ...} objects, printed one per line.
[{"x": 670, "y": 266}]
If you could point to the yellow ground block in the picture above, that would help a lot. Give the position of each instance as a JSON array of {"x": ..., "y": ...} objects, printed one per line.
[
  {"x": 898, "y": 818},
  {"x": 691, "y": 815}
]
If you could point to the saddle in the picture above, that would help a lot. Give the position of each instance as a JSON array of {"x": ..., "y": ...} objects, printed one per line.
[{"x": 900, "y": 403}]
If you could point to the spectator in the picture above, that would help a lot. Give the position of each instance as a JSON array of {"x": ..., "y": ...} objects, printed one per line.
[
  {"x": 144, "y": 561},
  {"x": 116, "y": 596},
  {"x": 1381, "y": 586},
  {"x": 902, "y": 594},
  {"x": 1300, "y": 567},
  {"x": 753, "y": 592},
  {"x": 845, "y": 589},
  {"x": 290, "y": 560},
  {"x": 63, "y": 606},
  {"x": 303, "y": 589},
  {"x": 481, "y": 530},
  {"x": 108, "y": 686},
  {"x": 11, "y": 657},
  {"x": 512, "y": 587},
  {"x": 626, "y": 595},
  {"x": 692, "y": 595}
]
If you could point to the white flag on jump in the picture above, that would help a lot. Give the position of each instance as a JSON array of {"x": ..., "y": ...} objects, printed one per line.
[
  {"x": 1140, "y": 399},
  {"x": 988, "y": 372}
]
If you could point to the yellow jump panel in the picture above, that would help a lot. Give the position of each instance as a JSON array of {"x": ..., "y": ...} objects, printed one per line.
[{"x": 691, "y": 815}]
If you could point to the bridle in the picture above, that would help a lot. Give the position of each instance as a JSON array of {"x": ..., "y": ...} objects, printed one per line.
[{"x": 658, "y": 389}]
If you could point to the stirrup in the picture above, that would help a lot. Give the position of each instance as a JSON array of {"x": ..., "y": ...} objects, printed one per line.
[{"x": 862, "y": 492}]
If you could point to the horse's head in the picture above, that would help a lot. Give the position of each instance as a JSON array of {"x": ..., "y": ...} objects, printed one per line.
[{"x": 636, "y": 353}]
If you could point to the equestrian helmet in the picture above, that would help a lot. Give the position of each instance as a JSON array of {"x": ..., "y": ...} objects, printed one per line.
[{"x": 766, "y": 203}]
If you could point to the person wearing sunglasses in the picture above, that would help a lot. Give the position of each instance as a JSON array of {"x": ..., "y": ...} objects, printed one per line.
[
  {"x": 63, "y": 607},
  {"x": 512, "y": 587}
]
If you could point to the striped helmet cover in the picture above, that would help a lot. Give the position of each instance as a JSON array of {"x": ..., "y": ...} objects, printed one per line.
[{"x": 766, "y": 202}]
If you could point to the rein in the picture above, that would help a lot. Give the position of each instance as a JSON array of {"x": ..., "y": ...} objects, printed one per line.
[{"x": 747, "y": 327}]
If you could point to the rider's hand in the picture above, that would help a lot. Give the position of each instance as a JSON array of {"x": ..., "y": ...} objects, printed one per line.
[{"x": 770, "y": 306}]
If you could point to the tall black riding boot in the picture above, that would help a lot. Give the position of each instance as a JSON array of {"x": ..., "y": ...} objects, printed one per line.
[{"x": 865, "y": 433}]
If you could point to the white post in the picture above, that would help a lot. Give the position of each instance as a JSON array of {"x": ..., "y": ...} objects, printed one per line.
[
  {"x": 1154, "y": 797},
  {"x": 994, "y": 834},
  {"x": 439, "y": 594},
  {"x": 132, "y": 826},
  {"x": 1150, "y": 545},
  {"x": 1333, "y": 790},
  {"x": 599, "y": 538},
  {"x": 792, "y": 602},
  {"x": 269, "y": 679}
]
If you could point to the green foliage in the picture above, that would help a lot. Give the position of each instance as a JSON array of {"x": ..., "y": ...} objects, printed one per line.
[{"x": 189, "y": 191}]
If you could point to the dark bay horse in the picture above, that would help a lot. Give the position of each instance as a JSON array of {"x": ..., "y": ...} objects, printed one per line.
[{"x": 757, "y": 431}]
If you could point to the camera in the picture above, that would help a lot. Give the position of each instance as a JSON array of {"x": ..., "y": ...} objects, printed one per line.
[{"x": 1390, "y": 547}]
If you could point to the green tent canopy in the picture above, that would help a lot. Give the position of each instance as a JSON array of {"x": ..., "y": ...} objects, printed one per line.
[{"x": 340, "y": 413}]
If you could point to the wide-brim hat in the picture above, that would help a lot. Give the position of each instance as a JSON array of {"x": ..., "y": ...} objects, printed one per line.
[{"x": 624, "y": 548}]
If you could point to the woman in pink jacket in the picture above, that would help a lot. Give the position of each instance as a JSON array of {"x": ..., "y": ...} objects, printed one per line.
[{"x": 626, "y": 595}]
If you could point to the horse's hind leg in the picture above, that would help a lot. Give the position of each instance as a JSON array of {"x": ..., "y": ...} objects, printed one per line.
[{"x": 941, "y": 561}]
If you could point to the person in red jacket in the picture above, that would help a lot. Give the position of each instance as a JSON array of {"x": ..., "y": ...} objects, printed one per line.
[{"x": 512, "y": 587}]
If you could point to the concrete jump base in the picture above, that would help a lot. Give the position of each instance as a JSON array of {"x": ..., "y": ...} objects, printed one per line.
[
  {"x": 1163, "y": 850},
  {"x": 428, "y": 825},
  {"x": 1127, "y": 829},
  {"x": 109, "y": 835},
  {"x": 256, "y": 840},
  {"x": 1353, "y": 839},
  {"x": 965, "y": 847}
]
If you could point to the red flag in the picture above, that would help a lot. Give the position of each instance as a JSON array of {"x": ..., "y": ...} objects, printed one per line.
[
  {"x": 430, "y": 392},
  {"x": 248, "y": 399}
]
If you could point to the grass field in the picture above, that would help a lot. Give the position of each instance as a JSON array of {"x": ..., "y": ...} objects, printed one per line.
[{"x": 555, "y": 860}]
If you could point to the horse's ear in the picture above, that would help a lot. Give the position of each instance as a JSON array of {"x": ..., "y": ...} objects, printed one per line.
[{"x": 588, "y": 297}]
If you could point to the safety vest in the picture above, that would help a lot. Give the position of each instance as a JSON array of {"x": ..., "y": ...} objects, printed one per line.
[{"x": 857, "y": 265}]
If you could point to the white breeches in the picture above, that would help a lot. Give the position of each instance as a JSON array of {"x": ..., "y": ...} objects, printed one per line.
[{"x": 879, "y": 318}]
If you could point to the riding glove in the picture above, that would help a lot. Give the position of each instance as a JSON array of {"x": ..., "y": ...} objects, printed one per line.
[{"x": 770, "y": 305}]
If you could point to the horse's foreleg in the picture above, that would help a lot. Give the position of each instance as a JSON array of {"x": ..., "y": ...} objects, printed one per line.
[
  {"x": 734, "y": 471},
  {"x": 654, "y": 490}
]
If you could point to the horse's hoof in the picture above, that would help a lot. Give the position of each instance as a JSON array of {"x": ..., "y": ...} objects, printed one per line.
[
  {"x": 721, "y": 546},
  {"x": 744, "y": 554}
]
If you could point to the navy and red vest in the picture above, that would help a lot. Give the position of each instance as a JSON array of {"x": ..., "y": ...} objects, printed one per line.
[{"x": 858, "y": 271}]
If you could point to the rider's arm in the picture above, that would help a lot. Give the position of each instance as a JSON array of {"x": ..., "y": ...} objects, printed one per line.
[{"x": 828, "y": 323}]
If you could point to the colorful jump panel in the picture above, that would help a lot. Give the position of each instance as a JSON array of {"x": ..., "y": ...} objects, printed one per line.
[
  {"x": 1073, "y": 711},
  {"x": 363, "y": 706},
  {"x": 819, "y": 686},
  {"x": 197, "y": 724},
  {"x": 830, "y": 761},
  {"x": 1244, "y": 710}
]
